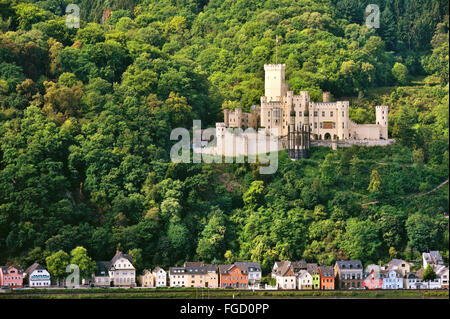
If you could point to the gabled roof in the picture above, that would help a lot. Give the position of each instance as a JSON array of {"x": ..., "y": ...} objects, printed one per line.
[
  {"x": 298, "y": 265},
  {"x": 157, "y": 269},
  {"x": 224, "y": 269},
  {"x": 34, "y": 267},
  {"x": 5, "y": 269},
  {"x": 386, "y": 272},
  {"x": 327, "y": 271},
  {"x": 119, "y": 255},
  {"x": 302, "y": 273},
  {"x": 312, "y": 268}
]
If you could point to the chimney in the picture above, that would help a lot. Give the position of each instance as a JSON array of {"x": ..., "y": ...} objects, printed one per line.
[{"x": 117, "y": 252}]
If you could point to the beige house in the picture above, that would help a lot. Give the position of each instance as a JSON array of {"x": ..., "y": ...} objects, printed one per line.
[
  {"x": 305, "y": 280},
  {"x": 178, "y": 277},
  {"x": 119, "y": 272},
  {"x": 400, "y": 265},
  {"x": 147, "y": 279},
  {"x": 122, "y": 271}
]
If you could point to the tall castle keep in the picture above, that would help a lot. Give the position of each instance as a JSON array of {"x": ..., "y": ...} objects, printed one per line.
[{"x": 327, "y": 120}]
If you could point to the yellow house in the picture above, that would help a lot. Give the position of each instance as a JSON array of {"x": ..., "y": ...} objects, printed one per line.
[
  {"x": 147, "y": 279},
  {"x": 201, "y": 275}
]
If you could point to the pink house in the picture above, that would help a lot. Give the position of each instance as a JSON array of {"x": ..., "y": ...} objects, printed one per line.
[
  {"x": 11, "y": 276},
  {"x": 374, "y": 280}
]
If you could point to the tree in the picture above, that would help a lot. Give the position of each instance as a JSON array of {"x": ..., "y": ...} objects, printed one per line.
[
  {"x": 56, "y": 265},
  {"x": 138, "y": 261},
  {"x": 329, "y": 169},
  {"x": 400, "y": 73},
  {"x": 375, "y": 182},
  {"x": 428, "y": 274},
  {"x": 254, "y": 196},
  {"x": 212, "y": 241},
  {"x": 361, "y": 240},
  {"x": 80, "y": 258}
]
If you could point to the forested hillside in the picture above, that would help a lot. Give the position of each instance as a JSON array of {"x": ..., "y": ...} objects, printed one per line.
[{"x": 86, "y": 116}]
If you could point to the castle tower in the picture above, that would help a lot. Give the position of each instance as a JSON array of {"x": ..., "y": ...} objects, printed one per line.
[
  {"x": 326, "y": 97},
  {"x": 381, "y": 112},
  {"x": 226, "y": 117},
  {"x": 274, "y": 84},
  {"x": 342, "y": 125}
]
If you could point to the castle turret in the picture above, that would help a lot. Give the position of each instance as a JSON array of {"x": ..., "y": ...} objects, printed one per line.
[
  {"x": 382, "y": 119},
  {"x": 226, "y": 117},
  {"x": 326, "y": 97},
  {"x": 342, "y": 124}
]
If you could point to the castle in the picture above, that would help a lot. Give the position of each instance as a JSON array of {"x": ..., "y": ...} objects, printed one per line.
[{"x": 280, "y": 108}]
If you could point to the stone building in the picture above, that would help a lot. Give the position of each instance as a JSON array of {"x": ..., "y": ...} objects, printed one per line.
[{"x": 327, "y": 120}]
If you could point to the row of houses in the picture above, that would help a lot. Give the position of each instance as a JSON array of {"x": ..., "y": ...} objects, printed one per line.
[{"x": 346, "y": 274}]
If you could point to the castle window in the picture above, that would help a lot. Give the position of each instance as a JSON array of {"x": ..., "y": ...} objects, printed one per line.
[
  {"x": 315, "y": 125},
  {"x": 331, "y": 113},
  {"x": 342, "y": 124},
  {"x": 299, "y": 113},
  {"x": 323, "y": 113},
  {"x": 315, "y": 113},
  {"x": 342, "y": 113},
  {"x": 321, "y": 126}
]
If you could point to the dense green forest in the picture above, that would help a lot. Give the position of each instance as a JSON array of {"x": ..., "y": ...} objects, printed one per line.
[{"x": 86, "y": 116}]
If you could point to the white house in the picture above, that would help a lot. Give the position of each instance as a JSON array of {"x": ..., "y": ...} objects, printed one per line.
[
  {"x": 431, "y": 284},
  {"x": 122, "y": 271},
  {"x": 305, "y": 280},
  {"x": 160, "y": 277},
  {"x": 442, "y": 272},
  {"x": 413, "y": 281},
  {"x": 38, "y": 276},
  {"x": 392, "y": 279},
  {"x": 283, "y": 272},
  {"x": 432, "y": 258},
  {"x": 399, "y": 264},
  {"x": 178, "y": 277},
  {"x": 101, "y": 275}
]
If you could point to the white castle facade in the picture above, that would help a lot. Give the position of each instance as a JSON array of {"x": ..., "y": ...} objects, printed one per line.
[{"x": 281, "y": 111}]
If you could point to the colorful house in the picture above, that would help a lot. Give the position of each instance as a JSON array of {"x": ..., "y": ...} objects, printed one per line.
[
  {"x": 11, "y": 276},
  {"x": 201, "y": 275},
  {"x": 231, "y": 276},
  {"x": 326, "y": 277},
  {"x": 253, "y": 270},
  {"x": 284, "y": 275},
  {"x": 178, "y": 277},
  {"x": 38, "y": 276},
  {"x": 304, "y": 280},
  {"x": 313, "y": 269},
  {"x": 349, "y": 274},
  {"x": 399, "y": 264},
  {"x": 147, "y": 279},
  {"x": 160, "y": 277},
  {"x": 392, "y": 279},
  {"x": 373, "y": 280}
]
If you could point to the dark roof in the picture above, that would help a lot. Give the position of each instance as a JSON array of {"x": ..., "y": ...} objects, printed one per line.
[
  {"x": 177, "y": 270},
  {"x": 211, "y": 267},
  {"x": 4, "y": 269},
  {"x": 349, "y": 264},
  {"x": 312, "y": 268},
  {"x": 327, "y": 271},
  {"x": 33, "y": 267},
  {"x": 102, "y": 268},
  {"x": 193, "y": 264},
  {"x": 298, "y": 265},
  {"x": 224, "y": 269}
]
